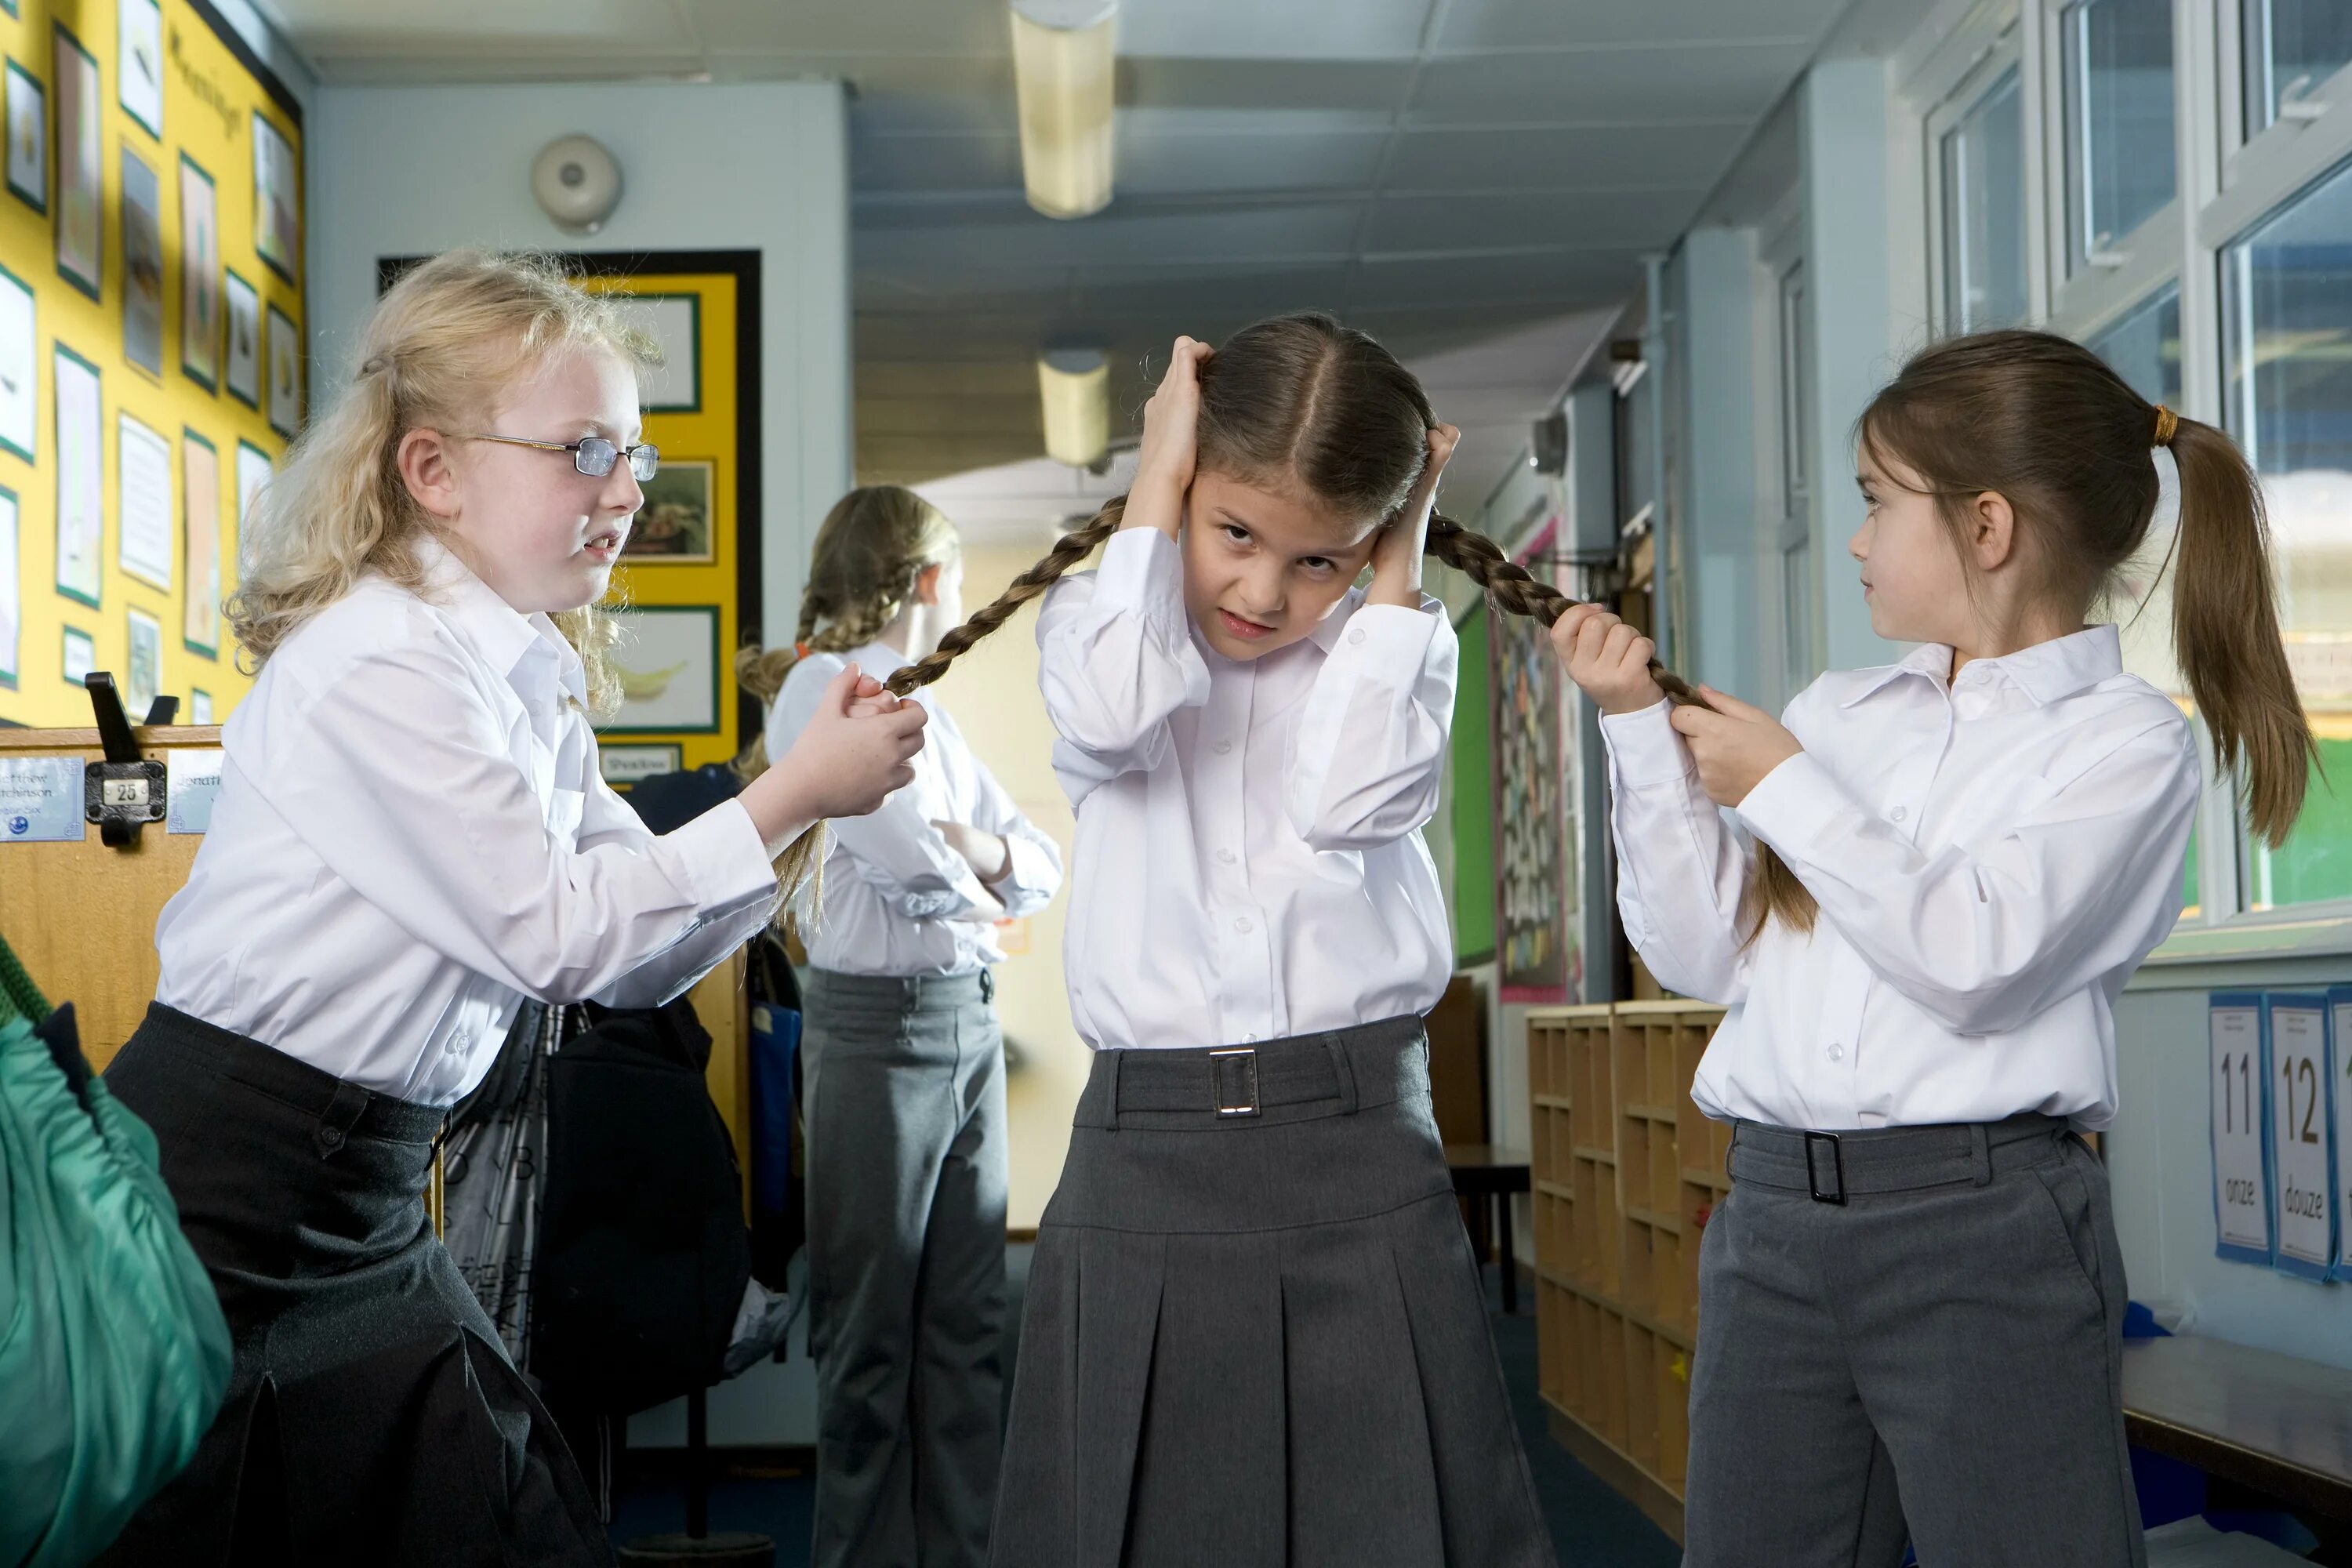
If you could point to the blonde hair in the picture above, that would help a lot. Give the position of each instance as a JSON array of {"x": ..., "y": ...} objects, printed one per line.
[{"x": 442, "y": 343}]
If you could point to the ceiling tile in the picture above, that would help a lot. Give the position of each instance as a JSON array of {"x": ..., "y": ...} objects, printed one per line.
[
  {"x": 1253, "y": 30},
  {"x": 1196, "y": 83},
  {"x": 887, "y": 165},
  {"x": 1159, "y": 165},
  {"x": 1442, "y": 159},
  {"x": 1632, "y": 86},
  {"x": 975, "y": 238},
  {"x": 1518, "y": 23},
  {"x": 853, "y": 27},
  {"x": 925, "y": 92},
  {"x": 1551, "y": 280},
  {"x": 1592, "y": 220},
  {"x": 600, "y": 27}
]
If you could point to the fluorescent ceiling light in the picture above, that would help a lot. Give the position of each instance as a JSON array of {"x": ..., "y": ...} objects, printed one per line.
[
  {"x": 1062, "y": 66},
  {"x": 1074, "y": 386}
]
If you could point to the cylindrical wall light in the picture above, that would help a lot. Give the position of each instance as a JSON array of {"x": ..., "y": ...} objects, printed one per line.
[
  {"x": 1062, "y": 66},
  {"x": 1074, "y": 387}
]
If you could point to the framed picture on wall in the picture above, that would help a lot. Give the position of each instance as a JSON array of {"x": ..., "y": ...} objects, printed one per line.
[
  {"x": 276, "y": 198},
  {"x": 673, "y": 323},
  {"x": 253, "y": 471},
  {"x": 29, "y": 138},
  {"x": 200, "y": 706},
  {"x": 144, "y": 500},
  {"x": 82, "y": 236},
  {"x": 243, "y": 377},
  {"x": 81, "y": 476},
  {"x": 674, "y": 523},
  {"x": 12, "y": 593},
  {"x": 142, "y": 265},
  {"x": 142, "y": 676},
  {"x": 1534, "y": 951},
  {"x": 20, "y": 399},
  {"x": 139, "y": 61},
  {"x": 668, "y": 662},
  {"x": 200, "y": 276},
  {"x": 80, "y": 656},
  {"x": 200, "y": 543},
  {"x": 285, "y": 374}
]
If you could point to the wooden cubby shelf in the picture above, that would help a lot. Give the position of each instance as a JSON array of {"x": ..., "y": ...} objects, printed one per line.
[{"x": 1626, "y": 1172}]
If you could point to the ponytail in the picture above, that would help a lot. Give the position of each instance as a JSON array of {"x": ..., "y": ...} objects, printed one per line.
[
  {"x": 1073, "y": 547},
  {"x": 2225, "y": 630}
]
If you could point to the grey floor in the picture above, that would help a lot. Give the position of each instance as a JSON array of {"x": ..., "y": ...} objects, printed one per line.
[{"x": 1591, "y": 1525}]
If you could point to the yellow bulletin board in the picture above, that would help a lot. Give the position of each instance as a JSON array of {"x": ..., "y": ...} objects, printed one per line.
[
  {"x": 151, "y": 333},
  {"x": 687, "y": 589}
]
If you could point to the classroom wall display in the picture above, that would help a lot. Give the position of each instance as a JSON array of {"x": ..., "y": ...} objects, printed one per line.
[
  {"x": 242, "y": 374},
  {"x": 1531, "y": 928},
  {"x": 276, "y": 198},
  {"x": 142, "y": 679},
  {"x": 2301, "y": 1180},
  {"x": 20, "y": 390},
  {"x": 29, "y": 138},
  {"x": 12, "y": 618},
  {"x": 2339, "y": 1123},
  {"x": 81, "y": 176},
  {"x": 126, "y": 411},
  {"x": 674, "y": 524},
  {"x": 703, "y": 309},
  {"x": 285, "y": 374},
  {"x": 624, "y": 765},
  {"x": 2240, "y": 1127},
  {"x": 142, "y": 265}
]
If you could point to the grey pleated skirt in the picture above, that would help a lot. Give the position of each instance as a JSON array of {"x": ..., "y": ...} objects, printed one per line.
[{"x": 1255, "y": 1334}]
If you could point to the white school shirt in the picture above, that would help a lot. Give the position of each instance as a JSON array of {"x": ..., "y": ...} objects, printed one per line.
[
  {"x": 898, "y": 900},
  {"x": 1249, "y": 863},
  {"x": 1993, "y": 856},
  {"x": 412, "y": 836}
]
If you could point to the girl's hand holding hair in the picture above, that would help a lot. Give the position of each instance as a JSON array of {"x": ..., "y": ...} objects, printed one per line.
[
  {"x": 1734, "y": 745},
  {"x": 1404, "y": 540},
  {"x": 1608, "y": 660},
  {"x": 1172, "y": 421},
  {"x": 856, "y": 749}
]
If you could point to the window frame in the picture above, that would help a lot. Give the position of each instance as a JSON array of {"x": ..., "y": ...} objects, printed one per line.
[
  {"x": 1983, "y": 64},
  {"x": 2136, "y": 263},
  {"x": 2225, "y": 184}
]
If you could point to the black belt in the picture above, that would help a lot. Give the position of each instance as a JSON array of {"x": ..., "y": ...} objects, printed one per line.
[
  {"x": 1833, "y": 1166},
  {"x": 1356, "y": 1068}
]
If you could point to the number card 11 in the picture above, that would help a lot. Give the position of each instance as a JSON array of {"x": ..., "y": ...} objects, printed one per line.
[
  {"x": 2241, "y": 1084},
  {"x": 2303, "y": 1175}
]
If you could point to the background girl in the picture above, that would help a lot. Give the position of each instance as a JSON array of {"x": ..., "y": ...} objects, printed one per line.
[
  {"x": 1254, "y": 1330},
  {"x": 1913, "y": 1286},
  {"x": 412, "y": 834},
  {"x": 904, "y": 1066}
]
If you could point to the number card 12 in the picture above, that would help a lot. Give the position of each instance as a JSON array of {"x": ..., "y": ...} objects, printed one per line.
[
  {"x": 2339, "y": 1107},
  {"x": 2303, "y": 1174},
  {"x": 2240, "y": 1127}
]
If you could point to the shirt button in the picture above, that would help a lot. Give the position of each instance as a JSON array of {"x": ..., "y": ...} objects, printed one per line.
[
  {"x": 1222, "y": 747},
  {"x": 1357, "y": 636},
  {"x": 1837, "y": 1053},
  {"x": 1897, "y": 813},
  {"x": 1226, "y": 857},
  {"x": 1242, "y": 925}
]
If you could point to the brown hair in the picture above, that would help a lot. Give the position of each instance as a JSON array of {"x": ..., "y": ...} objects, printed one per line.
[
  {"x": 2043, "y": 422},
  {"x": 1297, "y": 400},
  {"x": 870, "y": 549}
]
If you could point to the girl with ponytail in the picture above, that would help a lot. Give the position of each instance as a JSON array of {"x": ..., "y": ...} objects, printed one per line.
[
  {"x": 904, "y": 1063},
  {"x": 1254, "y": 1330},
  {"x": 1913, "y": 1286},
  {"x": 411, "y": 836}
]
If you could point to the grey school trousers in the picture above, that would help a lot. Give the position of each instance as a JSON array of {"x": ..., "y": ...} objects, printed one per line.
[
  {"x": 1940, "y": 1351},
  {"x": 905, "y": 1115}
]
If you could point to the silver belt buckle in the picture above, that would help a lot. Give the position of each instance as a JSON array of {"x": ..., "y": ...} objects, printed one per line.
[{"x": 1233, "y": 1076}]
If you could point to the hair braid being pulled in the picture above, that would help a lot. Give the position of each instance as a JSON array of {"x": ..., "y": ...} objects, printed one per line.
[{"x": 1073, "y": 547}]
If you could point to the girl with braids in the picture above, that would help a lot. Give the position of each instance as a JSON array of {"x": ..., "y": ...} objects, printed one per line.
[
  {"x": 1254, "y": 1332},
  {"x": 412, "y": 836},
  {"x": 1913, "y": 1299},
  {"x": 904, "y": 1065}
]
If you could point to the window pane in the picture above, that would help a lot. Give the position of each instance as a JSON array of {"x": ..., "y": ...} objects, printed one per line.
[
  {"x": 2290, "y": 47},
  {"x": 1984, "y": 212},
  {"x": 2286, "y": 299},
  {"x": 2119, "y": 120}
]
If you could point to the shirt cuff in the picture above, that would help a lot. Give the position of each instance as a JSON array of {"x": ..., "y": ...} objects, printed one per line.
[
  {"x": 1389, "y": 643},
  {"x": 721, "y": 860},
  {"x": 1031, "y": 873},
  {"x": 1792, "y": 807},
  {"x": 1142, "y": 571},
  {"x": 1645, "y": 746}
]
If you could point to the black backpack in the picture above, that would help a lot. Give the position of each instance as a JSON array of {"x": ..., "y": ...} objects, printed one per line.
[{"x": 643, "y": 1252}]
